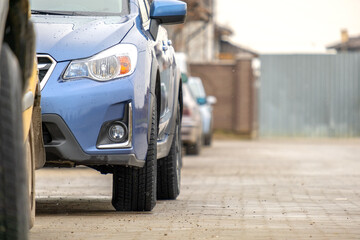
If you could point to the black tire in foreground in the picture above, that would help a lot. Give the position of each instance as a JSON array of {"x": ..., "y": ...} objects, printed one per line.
[
  {"x": 14, "y": 212},
  {"x": 134, "y": 189},
  {"x": 169, "y": 168}
]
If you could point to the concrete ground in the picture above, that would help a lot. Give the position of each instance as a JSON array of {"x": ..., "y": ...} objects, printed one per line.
[{"x": 235, "y": 190}]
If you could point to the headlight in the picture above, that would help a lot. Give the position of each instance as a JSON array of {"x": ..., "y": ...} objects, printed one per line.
[{"x": 115, "y": 62}]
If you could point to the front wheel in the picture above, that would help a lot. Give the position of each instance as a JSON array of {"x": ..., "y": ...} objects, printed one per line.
[
  {"x": 194, "y": 149},
  {"x": 14, "y": 213},
  {"x": 135, "y": 189},
  {"x": 169, "y": 168},
  {"x": 208, "y": 139}
]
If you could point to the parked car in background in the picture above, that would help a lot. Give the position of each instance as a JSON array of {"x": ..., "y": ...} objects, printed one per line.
[
  {"x": 206, "y": 107},
  {"x": 112, "y": 93},
  {"x": 21, "y": 144},
  {"x": 181, "y": 60},
  {"x": 191, "y": 129}
]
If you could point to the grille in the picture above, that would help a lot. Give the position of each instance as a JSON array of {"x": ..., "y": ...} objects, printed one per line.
[{"x": 46, "y": 65}]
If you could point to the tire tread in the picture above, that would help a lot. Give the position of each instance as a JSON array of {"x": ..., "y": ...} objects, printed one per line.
[
  {"x": 134, "y": 189},
  {"x": 167, "y": 182},
  {"x": 13, "y": 179}
]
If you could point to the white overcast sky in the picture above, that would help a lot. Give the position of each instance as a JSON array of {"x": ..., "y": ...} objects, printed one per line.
[{"x": 288, "y": 26}]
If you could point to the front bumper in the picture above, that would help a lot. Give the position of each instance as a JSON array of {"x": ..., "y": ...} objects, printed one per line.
[
  {"x": 84, "y": 106},
  {"x": 64, "y": 147}
]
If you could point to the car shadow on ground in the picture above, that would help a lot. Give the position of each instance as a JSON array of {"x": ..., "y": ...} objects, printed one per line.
[{"x": 73, "y": 206}]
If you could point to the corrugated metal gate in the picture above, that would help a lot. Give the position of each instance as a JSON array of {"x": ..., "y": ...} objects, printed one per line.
[{"x": 310, "y": 95}]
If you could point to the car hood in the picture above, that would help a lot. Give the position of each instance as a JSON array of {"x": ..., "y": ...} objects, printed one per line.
[{"x": 76, "y": 37}]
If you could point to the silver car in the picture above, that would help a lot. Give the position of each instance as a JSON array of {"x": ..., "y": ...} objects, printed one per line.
[
  {"x": 205, "y": 105},
  {"x": 191, "y": 129}
]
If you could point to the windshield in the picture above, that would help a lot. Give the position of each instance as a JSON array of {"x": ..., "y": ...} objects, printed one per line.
[{"x": 80, "y": 7}]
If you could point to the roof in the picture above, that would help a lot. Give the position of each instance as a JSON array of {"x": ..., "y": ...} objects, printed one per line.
[
  {"x": 228, "y": 47},
  {"x": 223, "y": 31},
  {"x": 353, "y": 44}
]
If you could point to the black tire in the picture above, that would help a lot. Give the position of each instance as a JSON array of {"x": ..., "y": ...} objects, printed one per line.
[
  {"x": 169, "y": 168},
  {"x": 14, "y": 212},
  {"x": 134, "y": 189},
  {"x": 208, "y": 140},
  {"x": 194, "y": 149}
]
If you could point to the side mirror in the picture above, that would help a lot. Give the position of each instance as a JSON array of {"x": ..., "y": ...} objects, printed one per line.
[
  {"x": 166, "y": 12},
  {"x": 184, "y": 78},
  {"x": 201, "y": 101},
  {"x": 211, "y": 100}
]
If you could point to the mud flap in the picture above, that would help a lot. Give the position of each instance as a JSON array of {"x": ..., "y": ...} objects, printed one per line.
[{"x": 38, "y": 134}]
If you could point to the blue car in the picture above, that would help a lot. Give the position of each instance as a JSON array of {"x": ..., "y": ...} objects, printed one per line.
[{"x": 112, "y": 94}]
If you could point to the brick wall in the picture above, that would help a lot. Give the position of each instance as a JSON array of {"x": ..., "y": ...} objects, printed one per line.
[{"x": 232, "y": 84}]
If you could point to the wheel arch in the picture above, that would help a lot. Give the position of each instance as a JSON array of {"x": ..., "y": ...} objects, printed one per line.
[
  {"x": 20, "y": 35},
  {"x": 4, "y": 9},
  {"x": 158, "y": 96},
  {"x": 180, "y": 99},
  {"x": 155, "y": 92}
]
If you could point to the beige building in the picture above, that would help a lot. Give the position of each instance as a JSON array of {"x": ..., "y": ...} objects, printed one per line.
[
  {"x": 196, "y": 37},
  {"x": 202, "y": 39}
]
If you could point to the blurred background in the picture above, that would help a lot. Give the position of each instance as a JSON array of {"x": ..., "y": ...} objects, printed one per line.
[
  {"x": 280, "y": 68},
  {"x": 273, "y": 71}
]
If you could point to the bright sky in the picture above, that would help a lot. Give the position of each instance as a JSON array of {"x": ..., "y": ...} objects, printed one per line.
[{"x": 288, "y": 26}]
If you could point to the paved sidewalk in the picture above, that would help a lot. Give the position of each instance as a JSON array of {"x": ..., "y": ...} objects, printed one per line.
[{"x": 234, "y": 190}]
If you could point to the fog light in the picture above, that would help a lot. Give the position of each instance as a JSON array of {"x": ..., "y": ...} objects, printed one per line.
[{"x": 117, "y": 132}]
